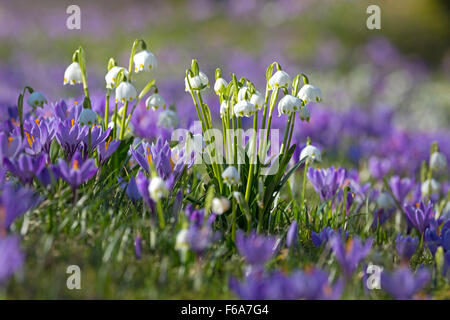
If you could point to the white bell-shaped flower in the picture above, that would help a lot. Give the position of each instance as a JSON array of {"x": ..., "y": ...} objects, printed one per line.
[
  {"x": 242, "y": 94},
  {"x": 289, "y": 104},
  {"x": 438, "y": 162},
  {"x": 168, "y": 119},
  {"x": 385, "y": 201},
  {"x": 73, "y": 74},
  {"x": 309, "y": 93},
  {"x": 36, "y": 99},
  {"x": 111, "y": 76},
  {"x": 311, "y": 153},
  {"x": 125, "y": 91},
  {"x": 223, "y": 108},
  {"x": 155, "y": 101},
  {"x": 429, "y": 187},
  {"x": 258, "y": 100},
  {"x": 244, "y": 108},
  {"x": 231, "y": 176},
  {"x": 158, "y": 189},
  {"x": 304, "y": 113},
  {"x": 199, "y": 82},
  {"x": 220, "y": 86},
  {"x": 279, "y": 80},
  {"x": 220, "y": 205},
  {"x": 144, "y": 61}
]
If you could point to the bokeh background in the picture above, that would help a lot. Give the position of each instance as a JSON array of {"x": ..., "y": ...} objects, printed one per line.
[{"x": 404, "y": 67}]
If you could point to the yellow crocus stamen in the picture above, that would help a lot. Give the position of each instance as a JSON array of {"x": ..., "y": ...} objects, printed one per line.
[
  {"x": 107, "y": 143},
  {"x": 417, "y": 204},
  {"x": 37, "y": 121},
  {"x": 171, "y": 164},
  {"x": 75, "y": 165},
  {"x": 10, "y": 139},
  {"x": 30, "y": 142},
  {"x": 149, "y": 156},
  {"x": 349, "y": 245},
  {"x": 73, "y": 122},
  {"x": 76, "y": 102}
]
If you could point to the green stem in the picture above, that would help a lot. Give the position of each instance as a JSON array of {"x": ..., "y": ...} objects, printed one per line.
[
  {"x": 124, "y": 116},
  {"x": 302, "y": 199},
  {"x": 252, "y": 159},
  {"x": 159, "y": 210},
  {"x": 108, "y": 92}
]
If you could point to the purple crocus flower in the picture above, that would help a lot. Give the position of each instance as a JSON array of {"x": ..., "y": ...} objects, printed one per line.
[
  {"x": 400, "y": 187},
  {"x": 260, "y": 288},
  {"x": 406, "y": 246},
  {"x": 379, "y": 167},
  {"x": 14, "y": 201},
  {"x": 64, "y": 113},
  {"x": 131, "y": 188},
  {"x": 321, "y": 238},
  {"x": 256, "y": 249},
  {"x": 437, "y": 236},
  {"x": 326, "y": 182},
  {"x": 11, "y": 257},
  {"x": 380, "y": 216},
  {"x": 78, "y": 172},
  {"x": 26, "y": 167},
  {"x": 292, "y": 235},
  {"x": 402, "y": 284},
  {"x": 70, "y": 135},
  {"x": 106, "y": 149},
  {"x": 39, "y": 136},
  {"x": 350, "y": 254},
  {"x": 98, "y": 136},
  {"x": 142, "y": 184},
  {"x": 138, "y": 246},
  {"x": 419, "y": 216},
  {"x": 10, "y": 146},
  {"x": 314, "y": 284}
]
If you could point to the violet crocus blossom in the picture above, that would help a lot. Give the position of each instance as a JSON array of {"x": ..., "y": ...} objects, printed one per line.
[
  {"x": 26, "y": 167},
  {"x": 322, "y": 238},
  {"x": 420, "y": 216},
  {"x": 402, "y": 284},
  {"x": 10, "y": 146},
  {"x": 14, "y": 201},
  {"x": 326, "y": 182},
  {"x": 106, "y": 149},
  {"x": 379, "y": 167},
  {"x": 11, "y": 257},
  {"x": 406, "y": 246},
  {"x": 350, "y": 254},
  {"x": 314, "y": 284},
  {"x": 39, "y": 136},
  {"x": 77, "y": 172},
  {"x": 70, "y": 135},
  {"x": 98, "y": 136},
  {"x": 142, "y": 184},
  {"x": 438, "y": 236},
  {"x": 292, "y": 235},
  {"x": 130, "y": 188},
  {"x": 400, "y": 187},
  {"x": 256, "y": 249},
  {"x": 63, "y": 112},
  {"x": 138, "y": 246}
]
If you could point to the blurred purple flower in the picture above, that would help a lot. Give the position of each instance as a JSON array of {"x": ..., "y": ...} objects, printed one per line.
[
  {"x": 326, "y": 182},
  {"x": 256, "y": 249},
  {"x": 402, "y": 284},
  {"x": 26, "y": 167},
  {"x": 419, "y": 216},
  {"x": 406, "y": 246},
  {"x": 350, "y": 254},
  {"x": 11, "y": 257}
]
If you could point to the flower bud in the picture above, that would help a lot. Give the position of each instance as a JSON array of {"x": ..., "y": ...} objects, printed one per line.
[
  {"x": 438, "y": 162},
  {"x": 220, "y": 205},
  {"x": 220, "y": 86},
  {"x": 430, "y": 185},
  {"x": 87, "y": 117},
  {"x": 125, "y": 91},
  {"x": 158, "y": 189},
  {"x": 311, "y": 153},
  {"x": 36, "y": 99},
  {"x": 279, "y": 80},
  {"x": 111, "y": 76},
  {"x": 231, "y": 176}
]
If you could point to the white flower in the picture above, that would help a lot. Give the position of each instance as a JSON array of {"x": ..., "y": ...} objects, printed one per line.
[
  {"x": 385, "y": 201},
  {"x": 430, "y": 185},
  {"x": 280, "y": 80},
  {"x": 87, "y": 117},
  {"x": 111, "y": 76},
  {"x": 158, "y": 189},
  {"x": 73, "y": 75},
  {"x": 199, "y": 82},
  {"x": 223, "y": 108},
  {"x": 304, "y": 114},
  {"x": 220, "y": 86},
  {"x": 181, "y": 242},
  {"x": 144, "y": 60},
  {"x": 231, "y": 176},
  {"x": 242, "y": 92},
  {"x": 155, "y": 101},
  {"x": 311, "y": 153},
  {"x": 310, "y": 93},
  {"x": 220, "y": 205},
  {"x": 257, "y": 99},
  {"x": 289, "y": 104},
  {"x": 244, "y": 108},
  {"x": 125, "y": 91},
  {"x": 168, "y": 119},
  {"x": 438, "y": 162},
  {"x": 36, "y": 99}
]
